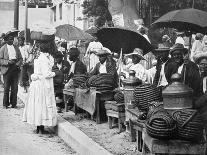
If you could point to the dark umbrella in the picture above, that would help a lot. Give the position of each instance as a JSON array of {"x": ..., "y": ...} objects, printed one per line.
[
  {"x": 119, "y": 38},
  {"x": 193, "y": 20},
  {"x": 69, "y": 33}
]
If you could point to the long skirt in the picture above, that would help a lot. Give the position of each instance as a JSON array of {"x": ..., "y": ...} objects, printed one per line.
[{"x": 40, "y": 108}]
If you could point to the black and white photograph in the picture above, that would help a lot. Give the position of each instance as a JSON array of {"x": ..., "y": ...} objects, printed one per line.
[{"x": 103, "y": 77}]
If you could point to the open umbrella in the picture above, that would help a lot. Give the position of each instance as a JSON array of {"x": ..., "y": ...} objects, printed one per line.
[
  {"x": 70, "y": 33},
  {"x": 191, "y": 19},
  {"x": 116, "y": 39}
]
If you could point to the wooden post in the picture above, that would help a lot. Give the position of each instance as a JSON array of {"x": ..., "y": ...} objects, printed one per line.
[
  {"x": 26, "y": 20},
  {"x": 16, "y": 14}
]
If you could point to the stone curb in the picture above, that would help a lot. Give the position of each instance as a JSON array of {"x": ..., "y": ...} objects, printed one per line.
[
  {"x": 72, "y": 136},
  {"x": 77, "y": 139}
]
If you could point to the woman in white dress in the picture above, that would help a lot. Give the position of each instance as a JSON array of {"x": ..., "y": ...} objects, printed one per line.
[{"x": 40, "y": 108}]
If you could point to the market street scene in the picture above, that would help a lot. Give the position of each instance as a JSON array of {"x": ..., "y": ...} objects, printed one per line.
[{"x": 103, "y": 77}]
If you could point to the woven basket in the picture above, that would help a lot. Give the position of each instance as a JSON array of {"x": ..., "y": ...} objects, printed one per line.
[
  {"x": 119, "y": 97},
  {"x": 161, "y": 133},
  {"x": 161, "y": 125},
  {"x": 145, "y": 94},
  {"x": 193, "y": 128}
]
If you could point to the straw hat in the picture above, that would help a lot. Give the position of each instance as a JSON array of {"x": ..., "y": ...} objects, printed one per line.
[
  {"x": 179, "y": 47},
  {"x": 13, "y": 32},
  {"x": 199, "y": 55},
  {"x": 138, "y": 52},
  {"x": 102, "y": 52},
  {"x": 162, "y": 48}
]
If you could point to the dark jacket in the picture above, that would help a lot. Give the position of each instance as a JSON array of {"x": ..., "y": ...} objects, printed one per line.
[
  {"x": 192, "y": 75},
  {"x": 59, "y": 73},
  {"x": 80, "y": 68},
  {"x": 110, "y": 68},
  {"x": 4, "y": 58}
]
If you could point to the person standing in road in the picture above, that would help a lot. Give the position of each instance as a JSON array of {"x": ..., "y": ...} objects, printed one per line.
[
  {"x": 10, "y": 61},
  {"x": 40, "y": 108}
]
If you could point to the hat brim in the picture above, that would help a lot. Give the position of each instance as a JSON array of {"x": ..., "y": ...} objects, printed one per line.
[
  {"x": 197, "y": 57},
  {"x": 162, "y": 50},
  {"x": 131, "y": 54},
  {"x": 98, "y": 54},
  {"x": 184, "y": 50}
]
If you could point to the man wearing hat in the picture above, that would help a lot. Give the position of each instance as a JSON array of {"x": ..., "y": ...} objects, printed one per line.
[
  {"x": 158, "y": 72},
  {"x": 200, "y": 58},
  {"x": 106, "y": 64},
  {"x": 77, "y": 66},
  {"x": 136, "y": 57},
  {"x": 189, "y": 70},
  {"x": 61, "y": 68},
  {"x": 10, "y": 61}
]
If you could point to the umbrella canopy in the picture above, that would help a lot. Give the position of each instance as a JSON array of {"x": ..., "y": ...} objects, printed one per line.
[
  {"x": 70, "y": 33},
  {"x": 119, "y": 38},
  {"x": 193, "y": 20}
]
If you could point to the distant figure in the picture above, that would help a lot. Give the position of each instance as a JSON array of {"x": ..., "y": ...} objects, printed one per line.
[
  {"x": 179, "y": 39},
  {"x": 24, "y": 76},
  {"x": 197, "y": 45},
  {"x": 143, "y": 32},
  {"x": 166, "y": 41}
]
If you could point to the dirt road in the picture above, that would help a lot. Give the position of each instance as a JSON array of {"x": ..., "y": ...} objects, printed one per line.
[{"x": 17, "y": 137}]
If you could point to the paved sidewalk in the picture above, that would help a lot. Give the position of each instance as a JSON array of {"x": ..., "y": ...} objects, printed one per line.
[{"x": 17, "y": 137}]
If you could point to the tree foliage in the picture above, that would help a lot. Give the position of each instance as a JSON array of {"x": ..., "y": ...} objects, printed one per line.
[
  {"x": 97, "y": 9},
  {"x": 169, "y": 5}
]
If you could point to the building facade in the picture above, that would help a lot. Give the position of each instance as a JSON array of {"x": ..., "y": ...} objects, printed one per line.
[
  {"x": 36, "y": 13},
  {"x": 68, "y": 12}
]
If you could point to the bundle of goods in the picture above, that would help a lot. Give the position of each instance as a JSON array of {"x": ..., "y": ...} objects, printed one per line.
[
  {"x": 114, "y": 106},
  {"x": 161, "y": 125},
  {"x": 102, "y": 82},
  {"x": 190, "y": 126},
  {"x": 42, "y": 31},
  {"x": 144, "y": 94},
  {"x": 119, "y": 97},
  {"x": 79, "y": 80}
]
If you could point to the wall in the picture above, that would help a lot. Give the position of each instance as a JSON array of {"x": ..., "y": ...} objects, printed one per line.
[
  {"x": 68, "y": 14},
  {"x": 34, "y": 15}
]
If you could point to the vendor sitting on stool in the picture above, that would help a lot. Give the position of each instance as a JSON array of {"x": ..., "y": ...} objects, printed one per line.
[
  {"x": 136, "y": 57},
  {"x": 106, "y": 64},
  {"x": 77, "y": 66},
  {"x": 61, "y": 67}
]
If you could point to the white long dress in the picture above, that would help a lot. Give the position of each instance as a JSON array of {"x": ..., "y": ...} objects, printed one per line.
[{"x": 40, "y": 108}]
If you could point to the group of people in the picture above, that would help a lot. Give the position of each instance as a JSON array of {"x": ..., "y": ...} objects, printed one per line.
[{"x": 45, "y": 68}]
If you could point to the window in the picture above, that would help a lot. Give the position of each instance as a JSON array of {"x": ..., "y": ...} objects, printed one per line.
[{"x": 60, "y": 10}]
